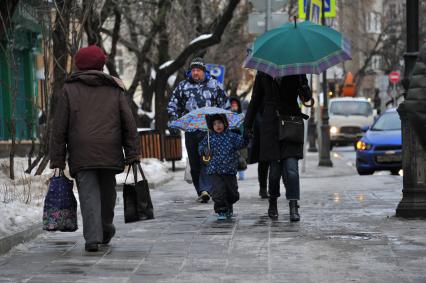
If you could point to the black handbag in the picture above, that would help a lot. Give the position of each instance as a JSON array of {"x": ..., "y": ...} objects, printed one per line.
[
  {"x": 291, "y": 128},
  {"x": 136, "y": 197}
]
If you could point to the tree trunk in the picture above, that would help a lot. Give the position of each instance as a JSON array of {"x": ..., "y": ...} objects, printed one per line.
[
  {"x": 161, "y": 99},
  {"x": 60, "y": 38},
  {"x": 12, "y": 152}
]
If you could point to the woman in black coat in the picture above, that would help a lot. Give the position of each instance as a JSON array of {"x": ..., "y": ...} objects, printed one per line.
[{"x": 269, "y": 96}]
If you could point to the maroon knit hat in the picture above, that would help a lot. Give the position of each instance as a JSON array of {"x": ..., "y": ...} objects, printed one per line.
[{"x": 90, "y": 58}]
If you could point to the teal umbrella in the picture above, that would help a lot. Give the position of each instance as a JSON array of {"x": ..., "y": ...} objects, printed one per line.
[{"x": 298, "y": 48}]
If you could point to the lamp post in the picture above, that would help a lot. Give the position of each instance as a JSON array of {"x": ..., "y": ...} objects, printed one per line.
[
  {"x": 413, "y": 203},
  {"x": 312, "y": 125},
  {"x": 324, "y": 154}
]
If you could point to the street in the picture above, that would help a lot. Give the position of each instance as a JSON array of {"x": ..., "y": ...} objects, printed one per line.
[{"x": 348, "y": 233}]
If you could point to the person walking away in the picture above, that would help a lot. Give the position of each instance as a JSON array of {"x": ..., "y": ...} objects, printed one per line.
[
  {"x": 262, "y": 177},
  {"x": 253, "y": 156},
  {"x": 222, "y": 167},
  {"x": 279, "y": 97},
  {"x": 92, "y": 124},
  {"x": 242, "y": 158},
  {"x": 199, "y": 89},
  {"x": 377, "y": 101}
]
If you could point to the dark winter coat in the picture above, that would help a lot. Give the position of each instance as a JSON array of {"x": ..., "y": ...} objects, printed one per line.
[
  {"x": 269, "y": 96},
  {"x": 190, "y": 95},
  {"x": 414, "y": 106},
  {"x": 243, "y": 152},
  {"x": 93, "y": 123},
  {"x": 224, "y": 151}
]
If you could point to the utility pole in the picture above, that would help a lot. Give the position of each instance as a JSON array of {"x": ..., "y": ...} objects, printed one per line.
[
  {"x": 413, "y": 203},
  {"x": 312, "y": 126},
  {"x": 324, "y": 154},
  {"x": 268, "y": 15}
]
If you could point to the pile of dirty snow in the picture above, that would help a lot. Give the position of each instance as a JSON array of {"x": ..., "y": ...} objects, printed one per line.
[{"x": 21, "y": 200}]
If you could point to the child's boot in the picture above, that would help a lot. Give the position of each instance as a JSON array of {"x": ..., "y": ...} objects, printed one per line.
[
  {"x": 221, "y": 216},
  {"x": 230, "y": 212}
]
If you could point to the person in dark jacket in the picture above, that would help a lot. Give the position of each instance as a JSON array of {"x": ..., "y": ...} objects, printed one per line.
[
  {"x": 242, "y": 158},
  {"x": 272, "y": 97},
  {"x": 93, "y": 123},
  {"x": 224, "y": 145},
  {"x": 199, "y": 89}
]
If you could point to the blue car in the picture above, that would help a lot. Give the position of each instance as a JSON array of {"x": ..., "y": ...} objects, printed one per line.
[{"x": 380, "y": 148}]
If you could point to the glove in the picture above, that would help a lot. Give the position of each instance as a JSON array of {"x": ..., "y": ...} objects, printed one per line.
[
  {"x": 174, "y": 132},
  {"x": 132, "y": 160}
]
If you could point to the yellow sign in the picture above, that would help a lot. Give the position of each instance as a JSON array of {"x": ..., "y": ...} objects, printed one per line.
[{"x": 329, "y": 10}]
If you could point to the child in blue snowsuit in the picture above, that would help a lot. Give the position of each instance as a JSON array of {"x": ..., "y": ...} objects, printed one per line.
[{"x": 222, "y": 167}]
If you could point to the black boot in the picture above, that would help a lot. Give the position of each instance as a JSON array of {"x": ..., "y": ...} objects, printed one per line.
[
  {"x": 273, "y": 210},
  {"x": 263, "y": 193},
  {"x": 91, "y": 247},
  {"x": 294, "y": 210}
]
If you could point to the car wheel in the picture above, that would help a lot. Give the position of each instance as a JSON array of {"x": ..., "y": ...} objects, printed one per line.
[
  {"x": 395, "y": 171},
  {"x": 363, "y": 172}
]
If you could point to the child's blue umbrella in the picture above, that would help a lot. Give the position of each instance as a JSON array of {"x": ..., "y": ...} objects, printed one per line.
[{"x": 196, "y": 119}]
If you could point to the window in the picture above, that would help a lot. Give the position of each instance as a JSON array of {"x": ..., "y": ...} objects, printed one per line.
[
  {"x": 388, "y": 122},
  {"x": 347, "y": 108},
  {"x": 119, "y": 65},
  {"x": 373, "y": 22},
  {"x": 376, "y": 63}
]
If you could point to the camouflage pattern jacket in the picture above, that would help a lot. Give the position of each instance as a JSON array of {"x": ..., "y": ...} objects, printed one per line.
[{"x": 190, "y": 95}]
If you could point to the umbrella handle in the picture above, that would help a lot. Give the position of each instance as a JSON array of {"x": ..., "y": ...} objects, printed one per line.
[{"x": 309, "y": 105}]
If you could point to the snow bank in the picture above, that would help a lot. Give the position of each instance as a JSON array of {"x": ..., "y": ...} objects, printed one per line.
[{"x": 21, "y": 200}]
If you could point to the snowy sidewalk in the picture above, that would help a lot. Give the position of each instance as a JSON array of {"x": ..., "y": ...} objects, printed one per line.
[
  {"x": 347, "y": 234},
  {"x": 21, "y": 203}
]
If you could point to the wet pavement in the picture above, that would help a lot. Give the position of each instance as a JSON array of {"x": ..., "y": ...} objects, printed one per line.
[{"x": 348, "y": 233}]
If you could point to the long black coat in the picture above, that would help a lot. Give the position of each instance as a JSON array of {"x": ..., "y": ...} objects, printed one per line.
[{"x": 270, "y": 95}]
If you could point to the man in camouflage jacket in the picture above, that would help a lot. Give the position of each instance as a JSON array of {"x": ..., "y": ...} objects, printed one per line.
[{"x": 199, "y": 89}]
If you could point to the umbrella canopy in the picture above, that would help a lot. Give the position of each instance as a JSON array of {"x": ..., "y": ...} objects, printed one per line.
[
  {"x": 298, "y": 48},
  {"x": 196, "y": 119}
]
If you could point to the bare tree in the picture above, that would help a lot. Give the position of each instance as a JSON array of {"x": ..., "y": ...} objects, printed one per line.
[
  {"x": 162, "y": 39},
  {"x": 231, "y": 50},
  {"x": 61, "y": 37}
]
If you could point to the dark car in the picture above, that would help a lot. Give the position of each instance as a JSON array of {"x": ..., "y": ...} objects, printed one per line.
[{"x": 381, "y": 146}]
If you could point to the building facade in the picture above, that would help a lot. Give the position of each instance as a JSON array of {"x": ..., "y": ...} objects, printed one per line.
[{"x": 18, "y": 83}]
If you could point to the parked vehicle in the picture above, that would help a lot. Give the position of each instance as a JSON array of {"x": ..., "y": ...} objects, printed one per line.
[
  {"x": 347, "y": 116},
  {"x": 380, "y": 148}
]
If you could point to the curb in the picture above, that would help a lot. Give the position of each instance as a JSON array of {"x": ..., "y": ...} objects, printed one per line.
[{"x": 8, "y": 242}]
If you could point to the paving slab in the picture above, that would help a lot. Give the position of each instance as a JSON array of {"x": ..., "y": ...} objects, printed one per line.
[{"x": 348, "y": 233}]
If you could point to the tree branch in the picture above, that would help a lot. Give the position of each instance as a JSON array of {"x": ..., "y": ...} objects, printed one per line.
[{"x": 204, "y": 43}]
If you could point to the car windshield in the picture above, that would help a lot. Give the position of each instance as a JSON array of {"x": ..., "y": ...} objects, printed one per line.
[
  {"x": 351, "y": 108},
  {"x": 387, "y": 122}
]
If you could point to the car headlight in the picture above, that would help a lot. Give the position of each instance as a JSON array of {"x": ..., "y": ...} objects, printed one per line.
[
  {"x": 360, "y": 145},
  {"x": 333, "y": 130}
]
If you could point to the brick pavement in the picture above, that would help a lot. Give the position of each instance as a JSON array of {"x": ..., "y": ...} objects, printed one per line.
[{"x": 347, "y": 234}]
